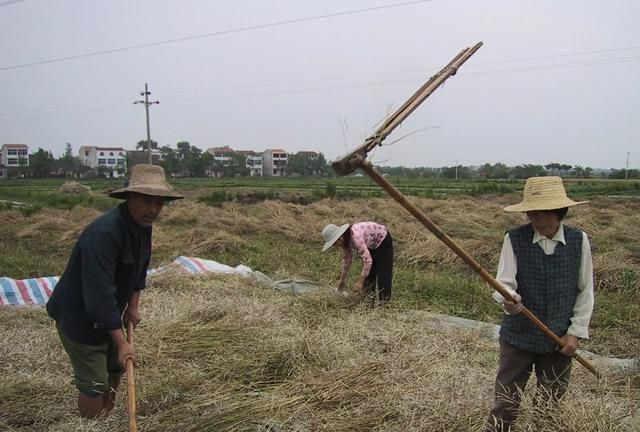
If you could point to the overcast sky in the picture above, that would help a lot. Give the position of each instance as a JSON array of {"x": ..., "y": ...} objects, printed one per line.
[{"x": 556, "y": 81}]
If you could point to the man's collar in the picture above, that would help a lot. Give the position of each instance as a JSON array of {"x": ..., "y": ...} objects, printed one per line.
[{"x": 558, "y": 236}]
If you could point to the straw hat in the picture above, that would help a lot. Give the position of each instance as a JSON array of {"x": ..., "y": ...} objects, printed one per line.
[
  {"x": 331, "y": 233},
  {"x": 148, "y": 180},
  {"x": 543, "y": 193}
]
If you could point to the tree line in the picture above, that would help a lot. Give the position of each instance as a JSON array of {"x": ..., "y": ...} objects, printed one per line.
[
  {"x": 186, "y": 160},
  {"x": 500, "y": 171}
]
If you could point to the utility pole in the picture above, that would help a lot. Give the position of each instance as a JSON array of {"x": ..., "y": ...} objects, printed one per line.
[
  {"x": 146, "y": 103},
  {"x": 456, "y": 169},
  {"x": 626, "y": 172}
]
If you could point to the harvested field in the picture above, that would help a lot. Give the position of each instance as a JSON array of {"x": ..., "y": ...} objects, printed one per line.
[{"x": 224, "y": 353}]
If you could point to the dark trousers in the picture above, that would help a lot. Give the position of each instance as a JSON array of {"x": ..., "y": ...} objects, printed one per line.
[
  {"x": 552, "y": 371},
  {"x": 381, "y": 269}
]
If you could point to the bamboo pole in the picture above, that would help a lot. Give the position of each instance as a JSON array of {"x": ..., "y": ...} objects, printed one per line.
[
  {"x": 131, "y": 384},
  {"x": 442, "y": 236}
]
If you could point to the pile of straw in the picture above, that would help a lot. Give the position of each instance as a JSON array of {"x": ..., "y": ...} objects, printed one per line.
[{"x": 73, "y": 187}]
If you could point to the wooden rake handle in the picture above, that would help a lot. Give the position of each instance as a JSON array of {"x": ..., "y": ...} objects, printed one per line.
[
  {"x": 131, "y": 384},
  {"x": 442, "y": 236}
]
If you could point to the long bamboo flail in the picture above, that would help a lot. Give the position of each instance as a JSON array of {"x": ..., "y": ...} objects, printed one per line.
[
  {"x": 442, "y": 236},
  {"x": 357, "y": 159},
  {"x": 131, "y": 384}
]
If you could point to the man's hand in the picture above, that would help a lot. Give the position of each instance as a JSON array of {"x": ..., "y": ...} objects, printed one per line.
[
  {"x": 511, "y": 307},
  {"x": 133, "y": 315},
  {"x": 126, "y": 352},
  {"x": 570, "y": 345},
  {"x": 125, "y": 349}
]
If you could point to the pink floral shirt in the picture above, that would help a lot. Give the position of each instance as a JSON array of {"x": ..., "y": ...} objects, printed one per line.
[{"x": 364, "y": 236}]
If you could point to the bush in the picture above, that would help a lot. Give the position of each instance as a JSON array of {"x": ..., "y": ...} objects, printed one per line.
[
  {"x": 216, "y": 198},
  {"x": 330, "y": 190}
]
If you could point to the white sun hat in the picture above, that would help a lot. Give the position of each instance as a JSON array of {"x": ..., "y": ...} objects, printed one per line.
[
  {"x": 331, "y": 233},
  {"x": 543, "y": 193}
]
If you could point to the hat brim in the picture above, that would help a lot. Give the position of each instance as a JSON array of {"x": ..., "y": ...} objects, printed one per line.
[
  {"x": 341, "y": 230},
  {"x": 549, "y": 205},
  {"x": 168, "y": 195}
]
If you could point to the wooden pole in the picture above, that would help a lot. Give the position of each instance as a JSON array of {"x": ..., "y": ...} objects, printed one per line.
[
  {"x": 131, "y": 384},
  {"x": 442, "y": 236}
]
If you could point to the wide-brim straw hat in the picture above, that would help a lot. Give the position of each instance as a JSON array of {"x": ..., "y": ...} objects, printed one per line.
[
  {"x": 148, "y": 180},
  {"x": 543, "y": 193},
  {"x": 331, "y": 233}
]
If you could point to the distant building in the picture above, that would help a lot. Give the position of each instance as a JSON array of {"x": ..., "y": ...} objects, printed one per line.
[
  {"x": 14, "y": 156},
  {"x": 222, "y": 155},
  {"x": 253, "y": 162},
  {"x": 113, "y": 160},
  {"x": 274, "y": 163}
]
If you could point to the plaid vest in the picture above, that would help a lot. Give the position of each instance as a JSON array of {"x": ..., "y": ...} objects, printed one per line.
[{"x": 548, "y": 285}]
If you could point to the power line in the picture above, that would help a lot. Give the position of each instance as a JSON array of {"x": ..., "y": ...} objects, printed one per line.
[
  {"x": 573, "y": 54},
  {"x": 412, "y": 80},
  {"x": 212, "y": 34},
  {"x": 9, "y": 2},
  {"x": 284, "y": 92},
  {"x": 585, "y": 63},
  {"x": 429, "y": 69},
  {"x": 81, "y": 106}
]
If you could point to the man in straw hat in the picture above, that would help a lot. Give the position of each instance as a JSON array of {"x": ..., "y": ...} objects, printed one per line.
[
  {"x": 102, "y": 281},
  {"x": 547, "y": 266}
]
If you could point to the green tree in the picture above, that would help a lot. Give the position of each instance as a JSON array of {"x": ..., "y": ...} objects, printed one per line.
[
  {"x": 527, "y": 170},
  {"x": 319, "y": 165},
  {"x": 307, "y": 164},
  {"x": 170, "y": 161},
  {"x": 67, "y": 163},
  {"x": 183, "y": 149},
  {"x": 497, "y": 171},
  {"x": 142, "y": 145},
  {"x": 579, "y": 172},
  {"x": 558, "y": 169},
  {"x": 191, "y": 159},
  {"x": 41, "y": 163},
  {"x": 460, "y": 172},
  {"x": 237, "y": 167},
  {"x": 621, "y": 174}
]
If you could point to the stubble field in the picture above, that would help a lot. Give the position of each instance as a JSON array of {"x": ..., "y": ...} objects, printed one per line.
[{"x": 225, "y": 353}]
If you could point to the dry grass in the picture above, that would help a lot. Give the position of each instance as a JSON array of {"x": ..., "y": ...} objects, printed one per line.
[
  {"x": 477, "y": 224},
  {"x": 220, "y": 353}
]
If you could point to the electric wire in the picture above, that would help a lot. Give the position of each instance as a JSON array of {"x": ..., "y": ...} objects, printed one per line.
[
  {"x": 336, "y": 87},
  {"x": 212, "y": 34}
]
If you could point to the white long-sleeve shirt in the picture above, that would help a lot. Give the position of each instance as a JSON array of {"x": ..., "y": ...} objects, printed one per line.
[{"x": 583, "y": 308}]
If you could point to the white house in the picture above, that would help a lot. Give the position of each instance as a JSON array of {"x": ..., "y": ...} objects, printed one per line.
[
  {"x": 274, "y": 163},
  {"x": 14, "y": 155},
  {"x": 253, "y": 162},
  {"x": 114, "y": 159},
  {"x": 222, "y": 155}
]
